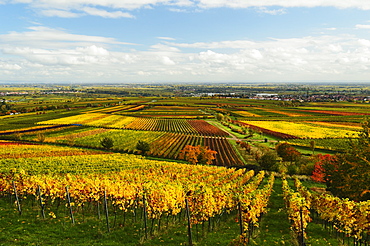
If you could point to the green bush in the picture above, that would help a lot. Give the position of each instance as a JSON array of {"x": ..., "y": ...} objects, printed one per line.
[
  {"x": 107, "y": 143},
  {"x": 268, "y": 161}
]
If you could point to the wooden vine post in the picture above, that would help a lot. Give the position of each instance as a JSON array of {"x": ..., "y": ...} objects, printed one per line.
[
  {"x": 17, "y": 198},
  {"x": 301, "y": 234},
  {"x": 145, "y": 217},
  {"x": 106, "y": 210},
  {"x": 190, "y": 236},
  {"x": 98, "y": 209},
  {"x": 41, "y": 202},
  {"x": 240, "y": 219},
  {"x": 70, "y": 205}
]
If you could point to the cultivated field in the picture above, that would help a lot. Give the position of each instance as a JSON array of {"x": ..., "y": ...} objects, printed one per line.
[{"x": 57, "y": 174}]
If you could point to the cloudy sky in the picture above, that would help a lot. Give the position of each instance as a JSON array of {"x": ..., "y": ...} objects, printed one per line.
[{"x": 184, "y": 41}]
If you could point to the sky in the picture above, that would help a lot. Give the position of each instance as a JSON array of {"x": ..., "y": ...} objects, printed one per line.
[{"x": 156, "y": 41}]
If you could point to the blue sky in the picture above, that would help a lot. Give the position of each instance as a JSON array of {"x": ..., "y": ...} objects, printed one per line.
[{"x": 136, "y": 41}]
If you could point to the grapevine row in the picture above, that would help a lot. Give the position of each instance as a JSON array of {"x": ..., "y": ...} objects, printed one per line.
[
  {"x": 349, "y": 217},
  {"x": 298, "y": 209},
  {"x": 164, "y": 188},
  {"x": 226, "y": 155},
  {"x": 253, "y": 205}
]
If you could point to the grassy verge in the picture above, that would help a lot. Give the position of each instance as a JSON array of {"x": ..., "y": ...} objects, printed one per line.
[
  {"x": 239, "y": 151},
  {"x": 274, "y": 227}
]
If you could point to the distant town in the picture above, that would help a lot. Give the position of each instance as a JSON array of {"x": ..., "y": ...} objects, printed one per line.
[{"x": 277, "y": 92}]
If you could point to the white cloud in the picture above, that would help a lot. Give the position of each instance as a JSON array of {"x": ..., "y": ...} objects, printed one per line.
[
  {"x": 234, "y": 44},
  {"x": 210, "y": 56},
  {"x": 59, "y": 13},
  {"x": 178, "y": 10},
  {"x": 334, "y": 48},
  {"x": 79, "y": 55},
  {"x": 7, "y": 66},
  {"x": 166, "y": 38},
  {"x": 42, "y": 53},
  {"x": 85, "y": 11},
  {"x": 164, "y": 48},
  {"x": 75, "y": 8},
  {"x": 256, "y": 54},
  {"x": 271, "y": 11},
  {"x": 41, "y": 36},
  {"x": 167, "y": 61},
  {"x": 284, "y": 3},
  {"x": 93, "y": 50},
  {"x": 364, "y": 42},
  {"x": 185, "y": 3},
  {"x": 359, "y": 26},
  {"x": 106, "y": 14},
  {"x": 126, "y": 4}
]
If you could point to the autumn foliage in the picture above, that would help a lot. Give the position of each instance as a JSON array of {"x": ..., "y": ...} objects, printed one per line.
[
  {"x": 287, "y": 152},
  {"x": 324, "y": 162},
  {"x": 198, "y": 154},
  {"x": 245, "y": 146},
  {"x": 347, "y": 174}
]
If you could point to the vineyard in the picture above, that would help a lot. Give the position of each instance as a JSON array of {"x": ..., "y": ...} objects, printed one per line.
[
  {"x": 120, "y": 190},
  {"x": 119, "y": 109},
  {"x": 177, "y": 125},
  {"x": 226, "y": 153},
  {"x": 145, "y": 124},
  {"x": 163, "y": 144},
  {"x": 62, "y": 183},
  {"x": 172, "y": 111},
  {"x": 349, "y": 218},
  {"x": 125, "y": 140},
  {"x": 92, "y": 119},
  {"x": 335, "y": 144},
  {"x": 15, "y": 150},
  {"x": 170, "y": 145},
  {"x": 300, "y": 130},
  {"x": 160, "y": 189}
]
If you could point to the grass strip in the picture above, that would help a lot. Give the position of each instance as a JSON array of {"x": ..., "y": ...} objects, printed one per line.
[{"x": 274, "y": 227}]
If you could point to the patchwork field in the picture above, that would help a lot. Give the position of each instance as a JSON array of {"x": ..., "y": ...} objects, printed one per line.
[
  {"x": 306, "y": 129},
  {"x": 71, "y": 166}
]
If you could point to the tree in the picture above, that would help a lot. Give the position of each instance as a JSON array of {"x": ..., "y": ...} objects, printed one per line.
[
  {"x": 197, "y": 154},
  {"x": 324, "y": 165},
  {"x": 287, "y": 152},
  {"x": 206, "y": 155},
  {"x": 227, "y": 118},
  {"x": 352, "y": 177},
  {"x": 349, "y": 174},
  {"x": 312, "y": 146},
  {"x": 143, "y": 146},
  {"x": 268, "y": 160},
  {"x": 70, "y": 140},
  {"x": 4, "y": 108},
  {"x": 190, "y": 154},
  {"x": 249, "y": 131},
  {"x": 107, "y": 142},
  {"x": 18, "y": 136},
  {"x": 245, "y": 145},
  {"x": 220, "y": 117},
  {"x": 41, "y": 137}
]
